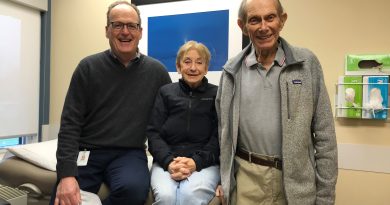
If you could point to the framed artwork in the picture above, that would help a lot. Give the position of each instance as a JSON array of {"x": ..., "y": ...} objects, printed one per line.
[
  {"x": 167, "y": 33},
  {"x": 167, "y": 26}
]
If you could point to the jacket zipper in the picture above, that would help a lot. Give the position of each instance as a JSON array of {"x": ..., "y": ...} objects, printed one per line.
[
  {"x": 288, "y": 102},
  {"x": 189, "y": 112}
]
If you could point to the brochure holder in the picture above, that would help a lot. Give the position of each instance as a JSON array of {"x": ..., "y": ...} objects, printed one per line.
[{"x": 346, "y": 105}]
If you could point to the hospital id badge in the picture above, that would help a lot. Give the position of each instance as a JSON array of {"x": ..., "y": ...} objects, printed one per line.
[{"x": 82, "y": 159}]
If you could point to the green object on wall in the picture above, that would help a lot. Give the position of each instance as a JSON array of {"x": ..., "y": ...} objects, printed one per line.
[{"x": 367, "y": 64}]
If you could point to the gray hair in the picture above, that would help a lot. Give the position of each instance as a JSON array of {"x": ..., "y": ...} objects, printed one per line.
[
  {"x": 200, "y": 47},
  {"x": 242, "y": 13},
  {"x": 116, "y": 3}
]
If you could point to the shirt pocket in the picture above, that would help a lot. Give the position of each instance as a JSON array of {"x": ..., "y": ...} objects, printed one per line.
[{"x": 294, "y": 87}]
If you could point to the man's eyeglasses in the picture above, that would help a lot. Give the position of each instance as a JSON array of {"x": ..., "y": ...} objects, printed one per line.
[{"x": 119, "y": 26}]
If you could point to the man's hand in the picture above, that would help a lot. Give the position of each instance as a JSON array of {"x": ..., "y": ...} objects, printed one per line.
[
  {"x": 68, "y": 192},
  {"x": 219, "y": 194}
]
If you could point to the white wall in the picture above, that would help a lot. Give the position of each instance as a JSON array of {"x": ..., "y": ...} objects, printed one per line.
[
  {"x": 41, "y": 5},
  {"x": 19, "y": 69}
]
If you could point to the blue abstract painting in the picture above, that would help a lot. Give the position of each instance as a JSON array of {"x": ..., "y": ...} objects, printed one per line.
[{"x": 167, "y": 33}]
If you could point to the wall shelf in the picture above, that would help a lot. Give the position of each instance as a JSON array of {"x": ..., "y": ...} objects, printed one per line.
[{"x": 356, "y": 99}]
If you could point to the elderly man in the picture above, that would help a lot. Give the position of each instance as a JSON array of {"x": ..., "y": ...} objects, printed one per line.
[{"x": 277, "y": 137}]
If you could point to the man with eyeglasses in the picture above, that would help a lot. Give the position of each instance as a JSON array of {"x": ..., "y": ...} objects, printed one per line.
[{"x": 103, "y": 123}]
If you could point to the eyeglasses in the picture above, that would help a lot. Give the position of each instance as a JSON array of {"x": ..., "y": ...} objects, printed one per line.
[{"x": 118, "y": 26}]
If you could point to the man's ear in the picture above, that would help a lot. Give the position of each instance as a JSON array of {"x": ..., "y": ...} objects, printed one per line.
[
  {"x": 106, "y": 31},
  {"x": 241, "y": 24},
  {"x": 283, "y": 18},
  {"x": 140, "y": 31}
]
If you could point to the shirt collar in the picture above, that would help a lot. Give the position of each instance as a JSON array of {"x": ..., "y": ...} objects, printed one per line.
[
  {"x": 280, "y": 58},
  {"x": 250, "y": 59},
  {"x": 137, "y": 55}
]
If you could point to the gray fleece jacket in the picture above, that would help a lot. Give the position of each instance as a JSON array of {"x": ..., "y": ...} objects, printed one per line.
[{"x": 309, "y": 145}]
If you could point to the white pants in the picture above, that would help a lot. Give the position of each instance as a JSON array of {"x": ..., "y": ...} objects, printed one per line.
[{"x": 198, "y": 189}]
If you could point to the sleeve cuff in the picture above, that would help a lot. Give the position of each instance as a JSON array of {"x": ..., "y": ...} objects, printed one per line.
[
  {"x": 66, "y": 169},
  {"x": 167, "y": 161}
]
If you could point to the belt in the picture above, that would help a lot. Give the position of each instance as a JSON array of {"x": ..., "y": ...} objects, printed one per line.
[{"x": 276, "y": 163}]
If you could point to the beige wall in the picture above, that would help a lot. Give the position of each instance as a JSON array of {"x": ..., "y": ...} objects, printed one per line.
[{"x": 331, "y": 29}]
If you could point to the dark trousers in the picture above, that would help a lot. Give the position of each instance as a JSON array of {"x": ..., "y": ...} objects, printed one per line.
[{"x": 124, "y": 171}]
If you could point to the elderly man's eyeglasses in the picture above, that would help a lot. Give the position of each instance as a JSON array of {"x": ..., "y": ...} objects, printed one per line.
[{"x": 118, "y": 26}]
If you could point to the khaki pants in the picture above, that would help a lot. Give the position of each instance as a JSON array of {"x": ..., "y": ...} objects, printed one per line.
[{"x": 257, "y": 185}]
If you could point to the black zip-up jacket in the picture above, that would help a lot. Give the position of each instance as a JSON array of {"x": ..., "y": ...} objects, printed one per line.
[{"x": 184, "y": 123}]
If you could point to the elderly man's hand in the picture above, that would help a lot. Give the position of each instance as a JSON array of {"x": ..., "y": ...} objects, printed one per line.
[{"x": 219, "y": 194}]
